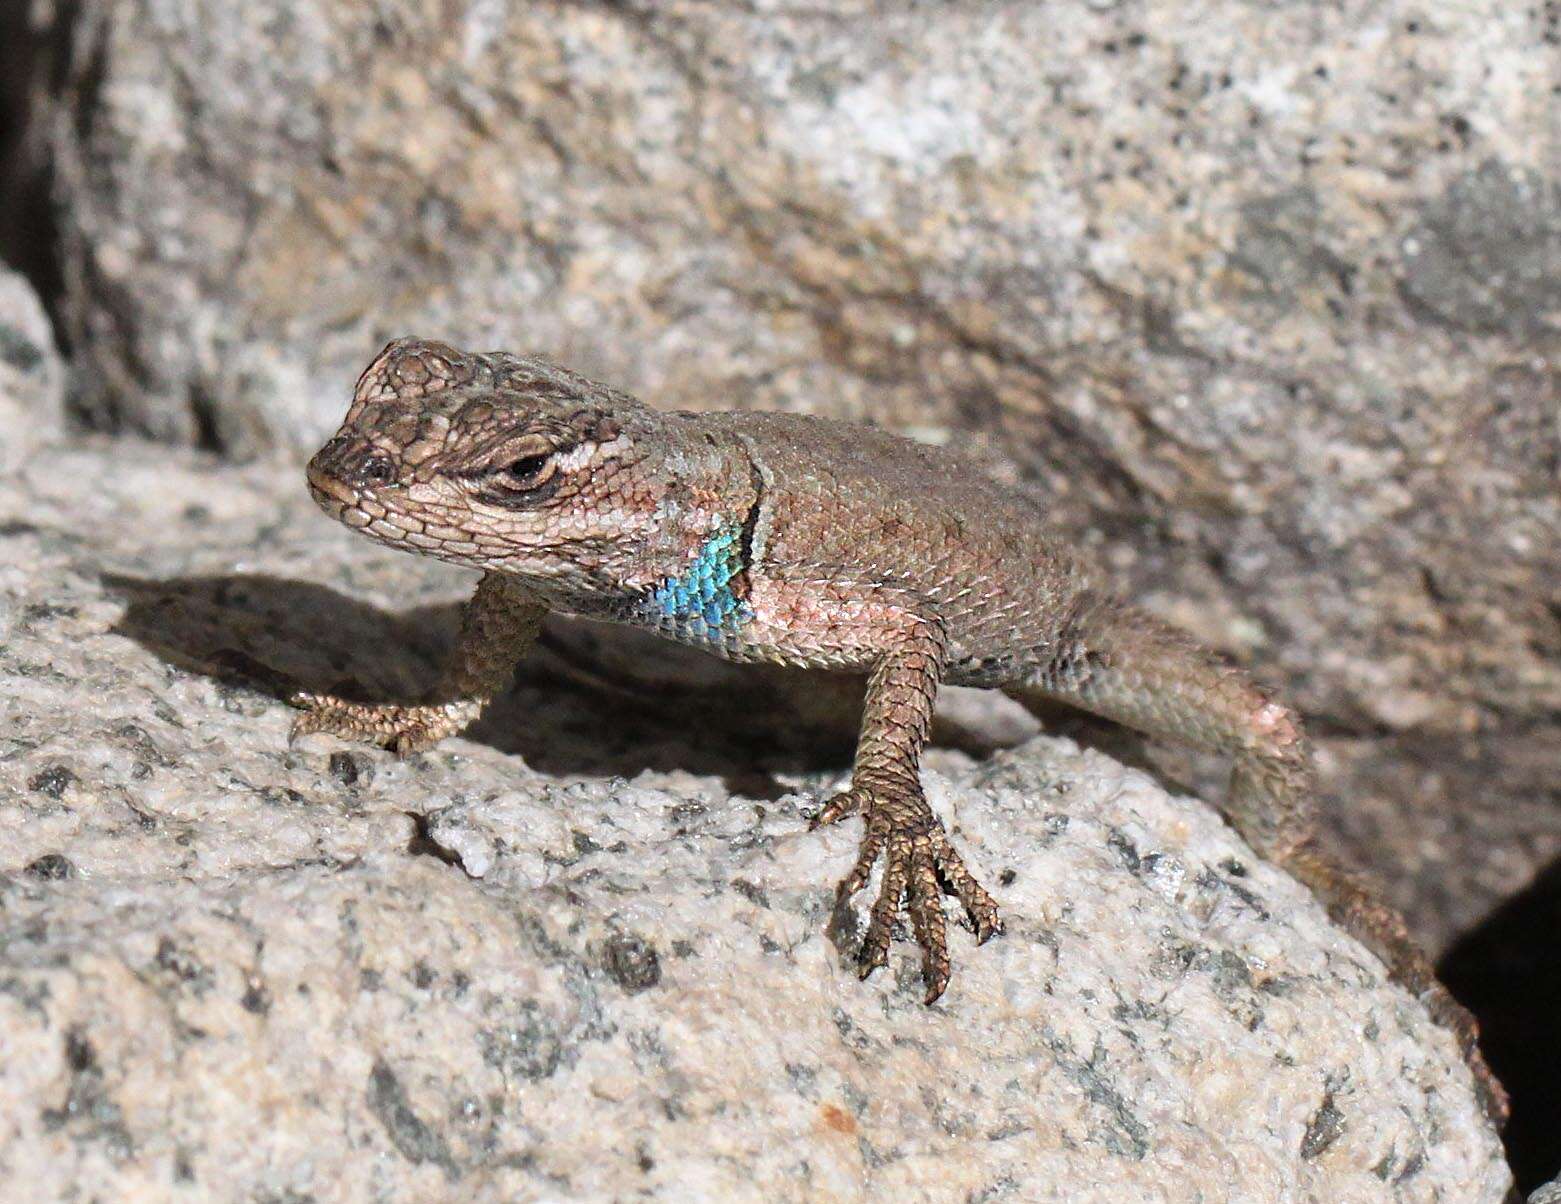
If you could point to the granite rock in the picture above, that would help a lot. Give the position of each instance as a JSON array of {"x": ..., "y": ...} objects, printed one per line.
[
  {"x": 591, "y": 953},
  {"x": 32, "y": 375},
  {"x": 1261, "y": 300}
]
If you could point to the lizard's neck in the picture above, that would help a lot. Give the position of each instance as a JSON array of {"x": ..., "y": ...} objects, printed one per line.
[{"x": 691, "y": 577}]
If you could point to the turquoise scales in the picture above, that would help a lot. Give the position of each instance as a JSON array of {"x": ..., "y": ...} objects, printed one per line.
[{"x": 705, "y": 604}]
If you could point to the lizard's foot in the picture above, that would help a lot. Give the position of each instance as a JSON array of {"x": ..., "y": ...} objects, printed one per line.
[
  {"x": 920, "y": 864},
  {"x": 403, "y": 729}
]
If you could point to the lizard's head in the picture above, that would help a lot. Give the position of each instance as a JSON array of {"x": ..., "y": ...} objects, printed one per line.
[{"x": 487, "y": 460}]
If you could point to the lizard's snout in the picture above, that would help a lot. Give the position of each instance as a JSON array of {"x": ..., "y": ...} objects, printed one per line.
[
  {"x": 344, "y": 466},
  {"x": 326, "y": 487}
]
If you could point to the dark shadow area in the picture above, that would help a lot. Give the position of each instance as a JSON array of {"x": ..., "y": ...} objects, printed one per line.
[
  {"x": 573, "y": 708},
  {"x": 592, "y": 698},
  {"x": 1508, "y": 972},
  {"x": 29, "y": 233}
]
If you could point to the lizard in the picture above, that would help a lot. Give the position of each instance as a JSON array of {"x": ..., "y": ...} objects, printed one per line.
[{"x": 793, "y": 539}]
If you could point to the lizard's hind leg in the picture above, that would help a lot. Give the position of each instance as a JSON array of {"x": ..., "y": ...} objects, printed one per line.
[{"x": 1127, "y": 666}]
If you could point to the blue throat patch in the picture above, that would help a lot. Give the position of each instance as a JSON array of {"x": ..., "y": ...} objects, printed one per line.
[{"x": 706, "y": 600}]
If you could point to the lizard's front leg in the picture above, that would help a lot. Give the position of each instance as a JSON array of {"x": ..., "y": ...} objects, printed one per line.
[
  {"x": 919, "y": 861},
  {"x": 498, "y": 627}
]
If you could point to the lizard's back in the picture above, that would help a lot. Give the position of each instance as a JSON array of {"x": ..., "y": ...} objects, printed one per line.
[{"x": 862, "y": 506}]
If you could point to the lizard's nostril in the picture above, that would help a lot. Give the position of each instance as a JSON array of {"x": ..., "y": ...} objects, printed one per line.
[
  {"x": 376, "y": 470},
  {"x": 351, "y": 464}
]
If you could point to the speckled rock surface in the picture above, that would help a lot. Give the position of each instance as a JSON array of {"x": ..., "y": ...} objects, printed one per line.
[
  {"x": 1262, "y": 299},
  {"x": 590, "y": 953},
  {"x": 1549, "y": 1194}
]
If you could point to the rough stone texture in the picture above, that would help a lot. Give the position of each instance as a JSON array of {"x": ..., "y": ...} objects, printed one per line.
[
  {"x": 1262, "y": 298},
  {"x": 1549, "y": 1194},
  {"x": 32, "y": 376},
  {"x": 244, "y": 970}
]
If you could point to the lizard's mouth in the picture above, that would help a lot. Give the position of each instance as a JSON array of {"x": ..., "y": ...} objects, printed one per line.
[
  {"x": 337, "y": 498},
  {"x": 340, "y": 502},
  {"x": 363, "y": 512},
  {"x": 343, "y": 475},
  {"x": 329, "y": 491}
]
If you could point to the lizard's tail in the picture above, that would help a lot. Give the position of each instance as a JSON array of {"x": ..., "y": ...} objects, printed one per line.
[
  {"x": 1127, "y": 666},
  {"x": 1357, "y": 906}
]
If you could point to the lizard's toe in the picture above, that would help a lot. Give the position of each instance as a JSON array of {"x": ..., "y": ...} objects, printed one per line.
[
  {"x": 413, "y": 738},
  {"x": 980, "y": 908},
  {"x": 886, "y": 909},
  {"x": 924, "y": 902},
  {"x": 403, "y": 729},
  {"x": 846, "y": 803},
  {"x": 873, "y": 841},
  {"x": 320, "y": 713}
]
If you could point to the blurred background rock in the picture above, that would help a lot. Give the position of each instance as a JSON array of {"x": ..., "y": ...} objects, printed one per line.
[{"x": 1262, "y": 302}]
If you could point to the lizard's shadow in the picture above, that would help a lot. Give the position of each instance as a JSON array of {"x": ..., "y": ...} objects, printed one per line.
[
  {"x": 571, "y": 710},
  {"x": 592, "y": 699}
]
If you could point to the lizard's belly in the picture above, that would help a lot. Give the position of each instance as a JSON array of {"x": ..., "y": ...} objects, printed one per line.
[
  {"x": 747, "y": 639},
  {"x": 738, "y": 616},
  {"x": 710, "y": 605},
  {"x": 723, "y": 604},
  {"x": 742, "y": 625},
  {"x": 762, "y": 629},
  {"x": 723, "y": 633}
]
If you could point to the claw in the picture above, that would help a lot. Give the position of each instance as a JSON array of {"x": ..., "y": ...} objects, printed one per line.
[{"x": 937, "y": 983}]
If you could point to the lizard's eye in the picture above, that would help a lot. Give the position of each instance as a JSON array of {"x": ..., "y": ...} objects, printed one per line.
[
  {"x": 526, "y": 467},
  {"x": 527, "y": 480},
  {"x": 528, "y": 471},
  {"x": 526, "y": 474}
]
